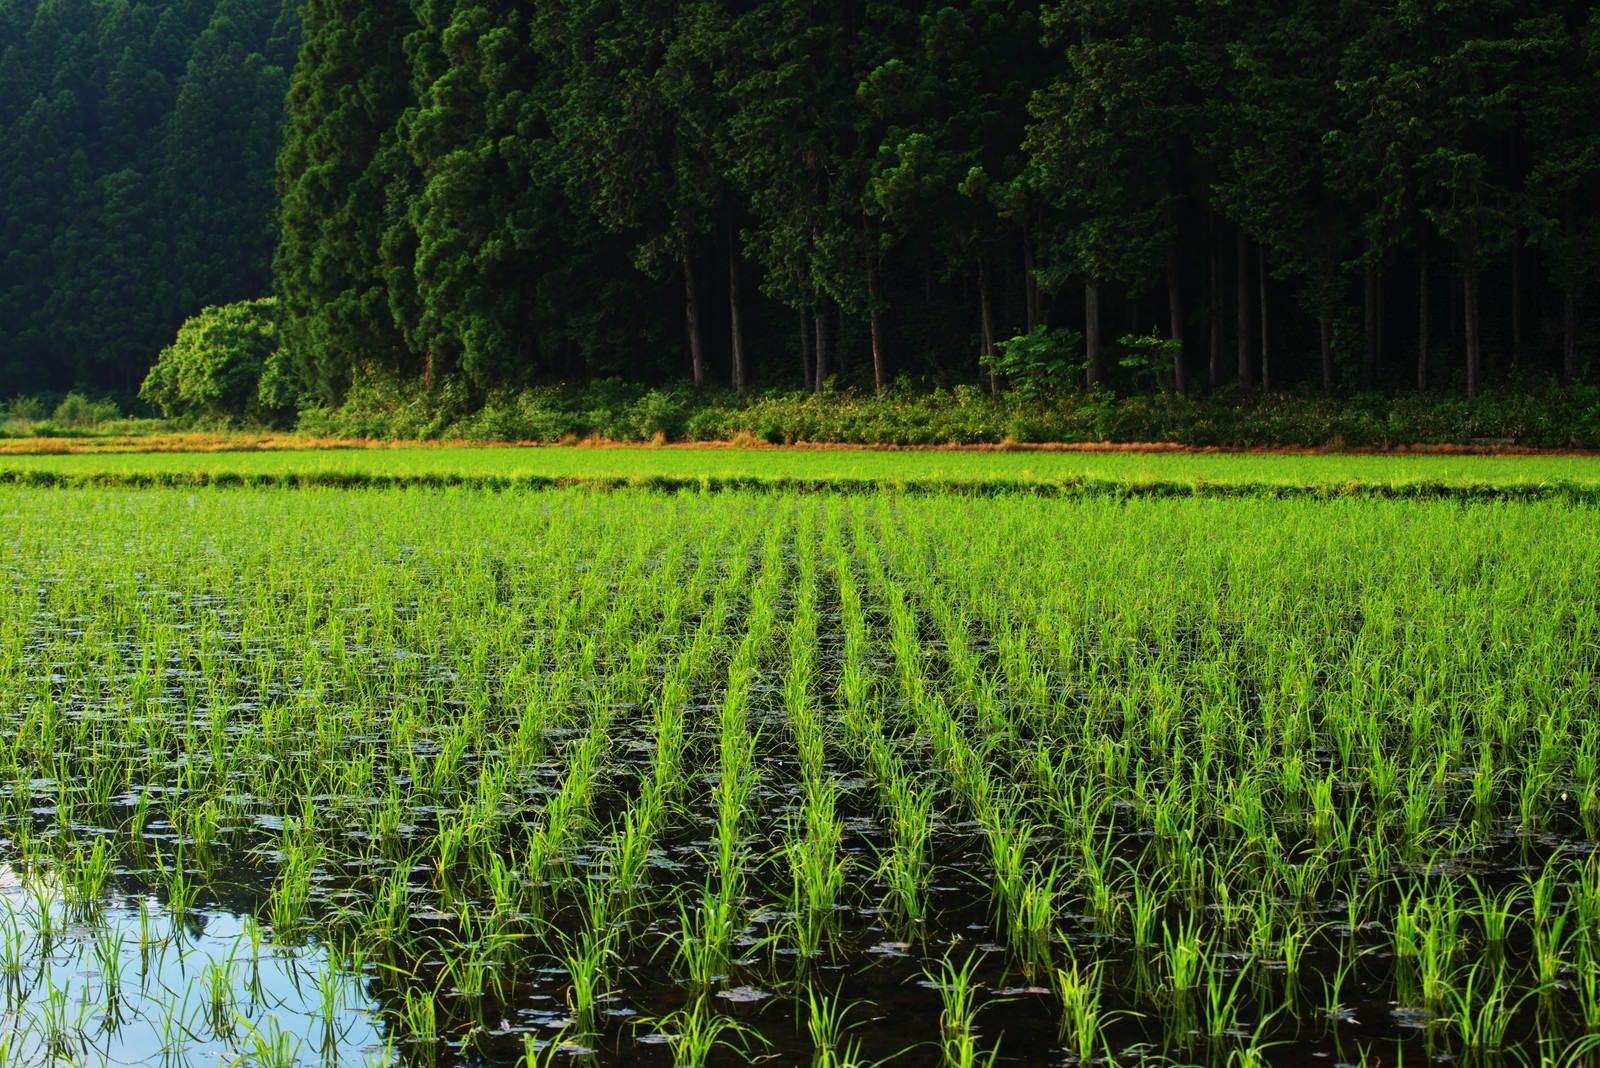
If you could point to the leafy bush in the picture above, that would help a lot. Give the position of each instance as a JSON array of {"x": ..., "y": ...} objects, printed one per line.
[
  {"x": 660, "y": 414},
  {"x": 27, "y": 409},
  {"x": 78, "y": 412},
  {"x": 224, "y": 365},
  {"x": 279, "y": 388},
  {"x": 1148, "y": 358},
  {"x": 1042, "y": 363}
]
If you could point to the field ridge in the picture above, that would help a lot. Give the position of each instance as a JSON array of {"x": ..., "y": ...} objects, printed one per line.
[{"x": 1064, "y": 487}]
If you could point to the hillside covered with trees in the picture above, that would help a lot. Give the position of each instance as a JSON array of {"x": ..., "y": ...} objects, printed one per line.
[
  {"x": 136, "y": 182},
  {"x": 771, "y": 194}
]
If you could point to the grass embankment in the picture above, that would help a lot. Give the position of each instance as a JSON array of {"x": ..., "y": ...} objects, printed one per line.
[
  {"x": 1536, "y": 414},
  {"x": 1569, "y": 477}
]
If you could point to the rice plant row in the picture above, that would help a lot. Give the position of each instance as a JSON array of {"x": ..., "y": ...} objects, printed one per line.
[{"x": 455, "y": 777}]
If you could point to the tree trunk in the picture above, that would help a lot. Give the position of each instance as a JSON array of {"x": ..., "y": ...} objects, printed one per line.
[
  {"x": 572, "y": 359},
  {"x": 1422, "y": 321},
  {"x": 875, "y": 318},
  {"x": 1241, "y": 255},
  {"x": 427, "y": 370},
  {"x": 822, "y": 349},
  {"x": 986, "y": 322},
  {"x": 1030, "y": 287},
  {"x": 1325, "y": 349},
  {"x": 1471, "y": 326},
  {"x": 1457, "y": 313},
  {"x": 1369, "y": 328},
  {"x": 1569, "y": 334},
  {"x": 1381, "y": 338},
  {"x": 1180, "y": 374},
  {"x": 1091, "y": 331},
  {"x": 1569, "y": 301},
  {"x": 741, "y": 381},
  {"x": 806, "y": 375},
  {"x": 1261, "y": 283},
  {"x": 1214, "y": 350},
  {"x": 691, "y": 318},
  {"x": 1516, "y": 303},
  {"x": 838, "y": 334}
]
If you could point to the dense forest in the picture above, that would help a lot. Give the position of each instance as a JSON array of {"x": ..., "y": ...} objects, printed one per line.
[
  {"x": 136, "y": 184},
  {"x": 767, "y": 193},
  {"x": 771, "y": 192}
]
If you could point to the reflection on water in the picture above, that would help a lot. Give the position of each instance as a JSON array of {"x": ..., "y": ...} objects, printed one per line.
[{"x": 126, "y": 982}]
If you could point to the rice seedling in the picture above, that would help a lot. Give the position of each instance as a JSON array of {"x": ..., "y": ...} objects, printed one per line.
[
  {"x": 694, "y": 1033},
  {"x": 705, "y": 937},
  {"x": 182, "y": 890},
  {"x": 904, "y": 866},
  {"x": 1082, "y": 1018},
  {"x": 1223, "y": 1001},
  {"x": 1184, "y": 952},
  {"x": 826, "y": 1024},
  {"x": 588, "y": 959},
  {"x": 1496, "y": 913},
  {"x": 817, "y": 868},
  {"x": 273, "y": 1047},
  {"x": 420, "y": 1016},
  {"x": 287, "y": 906},
  {"x": 1334, "y": 1009},
  {"x": 1482, "y": 1008},
  {"x": 958, "y": 991},
  {"x": 330, "y": 998},
  {"x": 88, "y": 873},
  {"x": 1588, "y": 990},
  {"x": 1550, "y": 941},
  {"x": 219, "y": 983}
]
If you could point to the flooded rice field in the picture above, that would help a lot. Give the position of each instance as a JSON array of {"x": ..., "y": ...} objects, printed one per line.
[{"x": 452, "y": 777}]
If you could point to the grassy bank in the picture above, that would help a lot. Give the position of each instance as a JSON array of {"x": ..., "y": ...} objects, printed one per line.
[
  {"x": 1539, "y": 413},
  {"x": 1536, "y": 414},
  {"x": 1045, "y": 473}
]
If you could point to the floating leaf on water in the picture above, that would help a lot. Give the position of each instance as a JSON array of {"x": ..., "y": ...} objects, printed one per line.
[{"x": 744, "y": 995}]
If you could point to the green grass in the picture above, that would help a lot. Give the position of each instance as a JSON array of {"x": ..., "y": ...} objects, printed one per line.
[
  {"x": 1177, "y": 472},
  {"x": 689, "y": 778}
]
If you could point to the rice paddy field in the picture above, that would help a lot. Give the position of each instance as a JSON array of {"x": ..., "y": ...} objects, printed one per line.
[{"x": 432, "y": 775}]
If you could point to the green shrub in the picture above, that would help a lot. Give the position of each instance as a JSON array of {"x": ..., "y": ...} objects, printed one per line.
[
  {"x": 224, "y": 365},
  {"x": 1148, "y": 359},
  {"x": 78, "y": 412},
  {"x": 660, "y": 414},
  {"x": 27, "y": 409},
  {"x": 1042, "y": 363},
  {"x": 279, "y": 388}
]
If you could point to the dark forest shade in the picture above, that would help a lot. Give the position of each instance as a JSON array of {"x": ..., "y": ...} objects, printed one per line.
[
  {"x": 1337, "y": 196},
  {"x": 576, "y": 190},
  {"x": 136, "y": 178}
]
